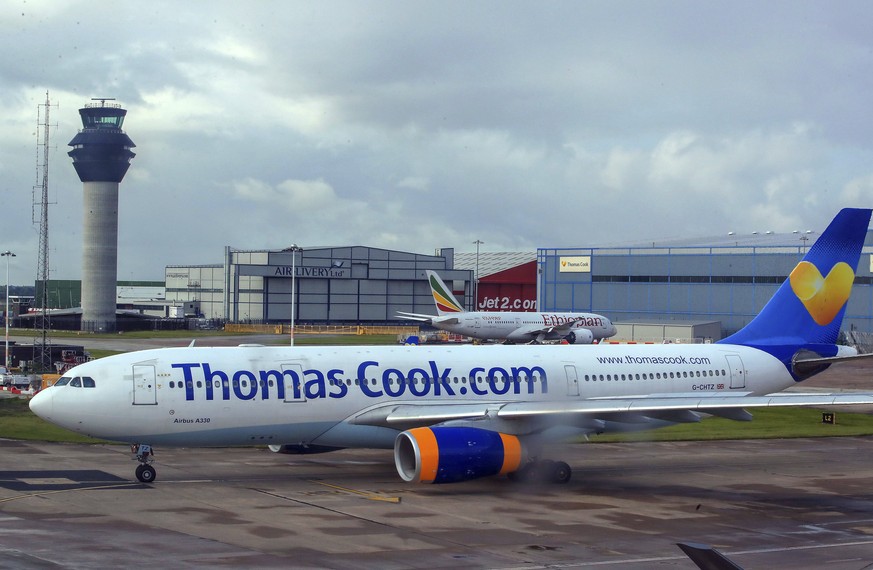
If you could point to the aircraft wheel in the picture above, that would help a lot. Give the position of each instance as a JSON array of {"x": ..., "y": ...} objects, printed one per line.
[
  {"x": 561, "y": 472},
  {"x": 146, "y": 473}
]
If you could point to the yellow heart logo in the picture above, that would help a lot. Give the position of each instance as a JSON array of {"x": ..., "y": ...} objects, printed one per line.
[{"x": 823, "y": 297}]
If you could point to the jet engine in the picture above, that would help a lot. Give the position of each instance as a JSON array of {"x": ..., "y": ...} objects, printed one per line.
[
  {"x": 453, "y": 454},
  {"x": 580, "y": 336}
]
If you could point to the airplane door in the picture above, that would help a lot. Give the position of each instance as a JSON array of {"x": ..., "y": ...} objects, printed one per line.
[
  {"x": 737, "y": 371},
  {"x": 292, "y": 375},
  {"x": 145, "y": 390},
  {"x": 572, "y": 380}
]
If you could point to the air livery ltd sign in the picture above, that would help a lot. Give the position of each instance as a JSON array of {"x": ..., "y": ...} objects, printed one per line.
[
  {"x": 301, "y": 272},
  {"x": 576, "y": 264}
]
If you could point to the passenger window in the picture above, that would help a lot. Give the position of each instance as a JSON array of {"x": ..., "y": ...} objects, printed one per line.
[
  {"x": 76, "y": 382},
  {"x": 88, "y": 382}
]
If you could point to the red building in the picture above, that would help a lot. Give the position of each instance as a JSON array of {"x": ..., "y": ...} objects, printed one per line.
[{"x": 513, "y": 289}]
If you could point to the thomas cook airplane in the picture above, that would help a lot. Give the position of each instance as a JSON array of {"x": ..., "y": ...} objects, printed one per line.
[
  {"x": 575, "y": 328},
  {"x": 462, "y": 412}
]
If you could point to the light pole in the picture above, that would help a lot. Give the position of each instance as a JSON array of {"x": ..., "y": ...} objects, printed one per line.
[
  {"x": 478, "y": 242},
  {"x": 294, "y": 249},
  {"x": 7, "y": 254}
]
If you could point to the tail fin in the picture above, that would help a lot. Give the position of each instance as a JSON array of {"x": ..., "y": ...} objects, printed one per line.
[
  {"x": 807, "y": 310},
  {"x": 445, "y": 302},
  {"x": 707, "y": 557}
]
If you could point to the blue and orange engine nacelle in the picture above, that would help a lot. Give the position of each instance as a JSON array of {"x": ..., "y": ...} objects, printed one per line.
[{"x": 453, "y": 454}]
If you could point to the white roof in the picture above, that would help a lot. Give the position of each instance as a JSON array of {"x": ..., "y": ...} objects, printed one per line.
[{"x": 492, "y": 262}]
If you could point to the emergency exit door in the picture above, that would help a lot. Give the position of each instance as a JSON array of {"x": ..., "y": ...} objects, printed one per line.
[{"x": 145, "y": 390}]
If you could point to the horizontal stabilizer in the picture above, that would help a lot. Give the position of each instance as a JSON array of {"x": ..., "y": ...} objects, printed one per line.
[
  {"x": 806, "y": 366},
  {"x": 416, "y": 317}
]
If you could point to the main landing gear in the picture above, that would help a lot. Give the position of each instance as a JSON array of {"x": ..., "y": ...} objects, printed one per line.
[
  {"x": 145, "y": 455},
  {"x": 543, "y": 471}
]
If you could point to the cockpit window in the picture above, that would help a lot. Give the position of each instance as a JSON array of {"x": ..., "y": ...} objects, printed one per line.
[
  {"x": 88, "y": 382},
  {"x": 76, "y": 382},
  {"x": 62, "y": 381}
]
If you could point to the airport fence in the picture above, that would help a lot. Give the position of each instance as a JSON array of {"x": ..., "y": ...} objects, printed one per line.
[
  {"x": 359, "y": 330},
  {"x": 862, "y": 341}
]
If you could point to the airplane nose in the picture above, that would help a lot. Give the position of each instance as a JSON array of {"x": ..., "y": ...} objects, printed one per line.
[{"x": 41, "y": 404}]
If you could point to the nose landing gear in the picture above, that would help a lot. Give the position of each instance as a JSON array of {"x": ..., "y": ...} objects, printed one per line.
[{"x": 143, "y": 453}]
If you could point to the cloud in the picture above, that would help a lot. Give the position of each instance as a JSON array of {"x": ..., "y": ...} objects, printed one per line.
[{"x": 424, "y": 125}]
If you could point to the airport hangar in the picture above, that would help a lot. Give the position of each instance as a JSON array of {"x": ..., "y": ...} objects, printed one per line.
[{"x": 700, "y": 289}]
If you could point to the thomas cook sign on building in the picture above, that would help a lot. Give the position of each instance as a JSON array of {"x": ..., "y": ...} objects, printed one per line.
[{"x": 575, "y": 264}]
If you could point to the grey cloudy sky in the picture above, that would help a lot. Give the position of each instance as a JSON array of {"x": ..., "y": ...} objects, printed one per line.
[{"x": 416, "y": 125}]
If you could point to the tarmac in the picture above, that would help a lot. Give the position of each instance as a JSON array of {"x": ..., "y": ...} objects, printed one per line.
[
  {"x": 804, "y": 503},
  {"x": 798, "y": 503}
]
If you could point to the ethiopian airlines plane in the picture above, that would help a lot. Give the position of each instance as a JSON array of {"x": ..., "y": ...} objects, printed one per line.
[
  {"x": 460, "y": 412},
  {"x": 575, "y": 328}
]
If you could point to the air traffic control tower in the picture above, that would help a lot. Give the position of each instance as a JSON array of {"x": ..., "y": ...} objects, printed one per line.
[{"x": 101, "y": 155}]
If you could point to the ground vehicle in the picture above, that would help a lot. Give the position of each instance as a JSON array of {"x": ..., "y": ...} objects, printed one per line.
[{"x": 21, "y": 381}]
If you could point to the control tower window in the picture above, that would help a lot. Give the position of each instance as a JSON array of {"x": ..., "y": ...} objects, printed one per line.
[{"x": 104, "y": 121}]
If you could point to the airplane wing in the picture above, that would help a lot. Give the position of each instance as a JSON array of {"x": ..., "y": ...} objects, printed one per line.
[
  {"x": 679, "y": 408},
  {"x": 562, "y": 329}
]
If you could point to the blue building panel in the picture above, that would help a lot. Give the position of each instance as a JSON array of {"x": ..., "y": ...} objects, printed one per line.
[{"x": 727, "y": 283}]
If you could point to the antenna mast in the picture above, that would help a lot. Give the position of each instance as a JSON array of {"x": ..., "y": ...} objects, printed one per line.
[{"x": 42, "y": 358}]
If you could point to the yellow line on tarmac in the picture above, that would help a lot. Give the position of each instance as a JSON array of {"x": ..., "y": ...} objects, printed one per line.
[
  {"x": 369, "y": 496},
  {"x": 43, "y": 493}
]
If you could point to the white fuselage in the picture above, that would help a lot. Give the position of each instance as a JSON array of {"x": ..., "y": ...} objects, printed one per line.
[
  {"x": 249, "y": 395},
  {"x": 523, "y": 326}
]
